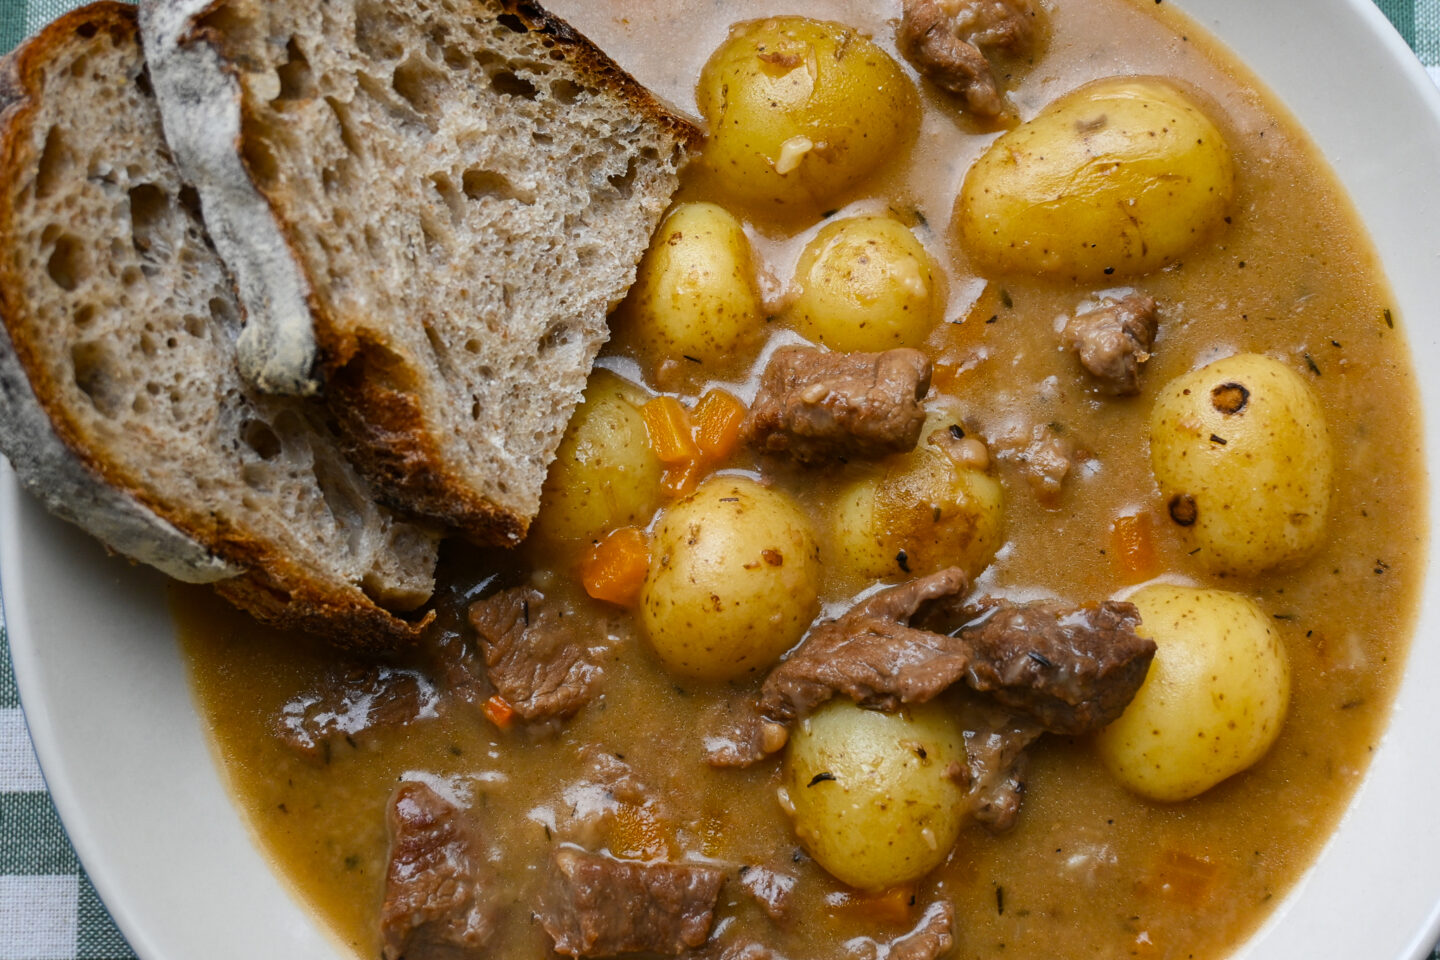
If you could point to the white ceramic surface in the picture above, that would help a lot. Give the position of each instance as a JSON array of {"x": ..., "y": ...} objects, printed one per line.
[{"x": 123, "y": 753}]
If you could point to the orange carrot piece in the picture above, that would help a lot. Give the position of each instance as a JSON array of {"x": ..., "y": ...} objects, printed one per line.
[
  {"x": 718, "y": 418},
  {"x": 499, "y": 712},
  {"x": 682, "y": 478},
  {"x": 639, "y": 834},
  {"x": 1132, "y": 541},
  {"x": 670, "y": 432},
  {"x": 616, "y": 567},
  {"x": 892, "y": 906}
]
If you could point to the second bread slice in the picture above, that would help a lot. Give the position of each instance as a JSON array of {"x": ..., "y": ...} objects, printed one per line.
[
  {"x": 462, "y": 187},
  {"x": 120, "y": 406}
]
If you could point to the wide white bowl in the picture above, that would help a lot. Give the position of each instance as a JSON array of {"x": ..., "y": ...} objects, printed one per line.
[{"x": 131, "y": 772}]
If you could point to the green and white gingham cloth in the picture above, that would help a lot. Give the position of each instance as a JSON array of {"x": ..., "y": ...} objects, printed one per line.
[{"x": 48, "y": 908}]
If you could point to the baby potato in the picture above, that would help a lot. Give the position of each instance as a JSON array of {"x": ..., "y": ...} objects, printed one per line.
[
  {"x": 866, "y": 284},
  {"x": 1243, "y": 459},
  {"x": 1213, "y": 701},
  {"x": 800, "y": 110},
  {"x": 1121, "y": 176},
  {"x": 923, "y": 513},
  {"x": 605, "y": 474},
  {"x": 734, "y": 580},
  {"x": 872, "y": 802},
  {"x": 695, "y": 293}
]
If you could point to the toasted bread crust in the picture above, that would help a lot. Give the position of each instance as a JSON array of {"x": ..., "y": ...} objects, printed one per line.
[
  {"x": 606, "y": 72},
  {"x": 385, "y": 437},
  {"x": 81, "y": 485}
]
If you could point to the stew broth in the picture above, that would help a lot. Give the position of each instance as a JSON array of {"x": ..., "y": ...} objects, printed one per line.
[{"x": 1090, "y": 869}]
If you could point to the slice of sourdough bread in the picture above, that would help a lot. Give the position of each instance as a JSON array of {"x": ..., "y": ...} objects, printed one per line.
[
  {"x": 465, "y": 187},
  {"x": 120, "y": 404}
]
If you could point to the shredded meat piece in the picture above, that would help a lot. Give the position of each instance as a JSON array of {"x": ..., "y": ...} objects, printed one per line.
[
  {"x": 533, "y": 655},
  {"x": 819, "y": 406},
  {"x": 770, "y": 888},
  {"x": 350, "y": 703},
  {"x": 1113, "y": 340},
  {"x": 1073, "y": 669},
  {"x": 458, "y": 668},
  {"x": 993, "y": 775},
  {"x": 435, "y": 908},
  {"x": 735, "y": 949},
  {"x": 951, "y": 41},
  {"x": 930, "y": 939},
  {"x": 1045, "y": 457},
  {"x": 597, "y": 906}
]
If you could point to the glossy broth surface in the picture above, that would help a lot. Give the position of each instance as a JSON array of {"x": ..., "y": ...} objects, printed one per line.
[{"x": 1090, "y": 869}]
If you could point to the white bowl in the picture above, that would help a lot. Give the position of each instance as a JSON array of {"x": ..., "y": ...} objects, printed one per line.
[{"x": 129, "y": 766}]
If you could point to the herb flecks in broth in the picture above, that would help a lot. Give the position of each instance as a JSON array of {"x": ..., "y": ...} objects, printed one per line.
[{"x": 1027, "y": 473}]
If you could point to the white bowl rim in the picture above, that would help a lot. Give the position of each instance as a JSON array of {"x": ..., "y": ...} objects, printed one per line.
[{"x": 146, "y": 901}]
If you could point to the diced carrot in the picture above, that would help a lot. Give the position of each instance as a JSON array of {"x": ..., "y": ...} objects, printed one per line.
[
  {"x": 499, "y": 712},
  {"x": 616, "y": 567},
  {"x": 682, "y": 478},
  {"x": 891, "y": 906},
  {"x": 670, "y": 433},
  {"x": 1184, "y": 877},
  {"x": 1132, "y": 542},
  {"x": 718, "y": 418},
  {"x": 638, "y": 833}
]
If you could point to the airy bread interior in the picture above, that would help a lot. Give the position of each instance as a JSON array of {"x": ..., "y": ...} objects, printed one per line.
[
  {"x": 467, "y": 186},
  {"x": 125, "y": 322}
]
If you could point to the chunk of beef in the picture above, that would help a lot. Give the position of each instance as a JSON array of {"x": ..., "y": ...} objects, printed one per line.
[
  {"x": 819, "y": 406},
  {"x": 770, "y": 888},
  {"x": 597, "y": 906},
  {"x": 435, "y": 906},
  {"x": 1113, "y": 340},
  {"x": 535, "y": 654},
  {"x": 352, "y": 702},
  {"x": 951, "y": 41},
  {"x": 931, "y": 938},
  {"x": 1071, "y": 668}
]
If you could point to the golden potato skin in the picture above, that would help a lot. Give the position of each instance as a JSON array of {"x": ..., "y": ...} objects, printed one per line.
[
  {"x": 925, "y": 506},
  {"x": 872, "y": 803},
  {"x": 1122, "y": 175},
  {"x": 801, "y": 110},
  {"x": 1213, "y": 701},
  {"x": 733, "y": 582},
  {"x": 605, "y": 474},
  {"x": 865, "y": 284},
  {"x": 695, "y": 293},
  {"x": 1244, "y": 461}
]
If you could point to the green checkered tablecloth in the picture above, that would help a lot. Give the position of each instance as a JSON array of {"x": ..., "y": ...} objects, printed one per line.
[{"x": 48, "y": 908}]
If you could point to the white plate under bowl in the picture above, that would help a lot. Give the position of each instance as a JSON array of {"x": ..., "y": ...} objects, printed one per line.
[{"x": 128, "y": 764}]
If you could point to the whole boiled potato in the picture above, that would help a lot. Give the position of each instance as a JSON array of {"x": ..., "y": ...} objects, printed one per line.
[
  {"x": 605, "y": 474},
  {"x": 1121, "y": 176},
  {"x": 733, "y": 582},
  {"x": 1213, "y": 701},
  {"x": 922, "y": 512},
  {"x": 871, "y": 798},
  {"x": 866, "y": 284},
  {"x": 800, "y": 110},
  {"x": 695, "y": 293},
  {"x": 1243, "y": 459}
]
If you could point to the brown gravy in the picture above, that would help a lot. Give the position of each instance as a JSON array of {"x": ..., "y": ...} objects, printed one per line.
[{"x": 1090, "y": 870}]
